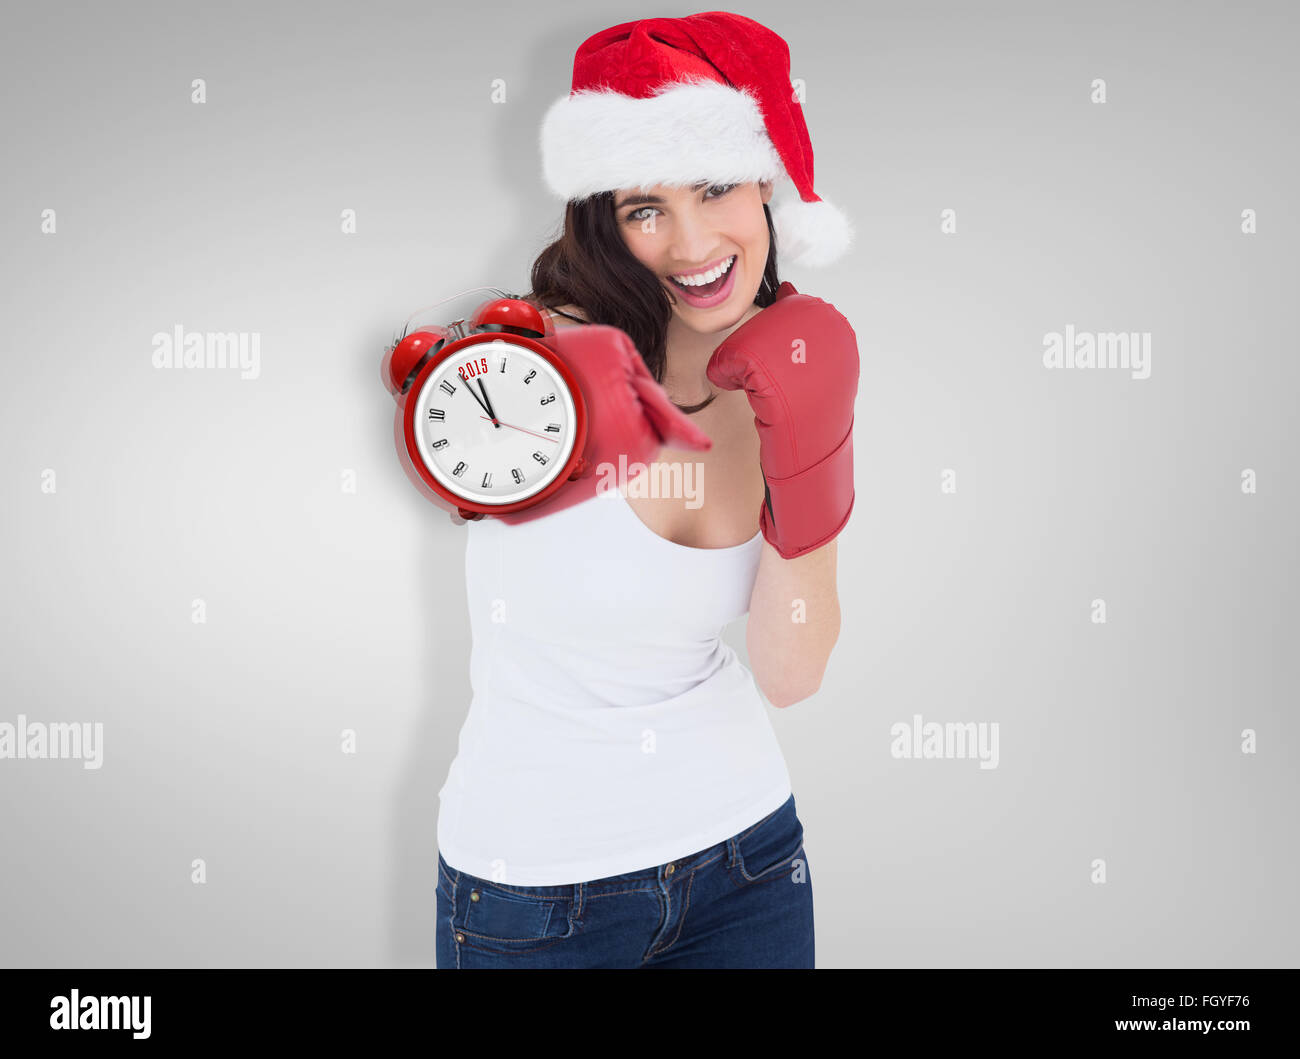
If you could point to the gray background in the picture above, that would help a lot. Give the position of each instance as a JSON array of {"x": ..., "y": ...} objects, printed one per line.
[{"x": 329, "y": 611}]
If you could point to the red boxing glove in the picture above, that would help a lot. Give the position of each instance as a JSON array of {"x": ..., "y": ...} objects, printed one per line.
[
  {"x": 628, "y": 413},
  {"x": 797, "y": 360}
]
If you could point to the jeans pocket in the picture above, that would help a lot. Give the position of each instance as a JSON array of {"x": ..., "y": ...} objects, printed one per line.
[
  {"x": 507, "y": 919},
  {"x": 767, "y": 850}
]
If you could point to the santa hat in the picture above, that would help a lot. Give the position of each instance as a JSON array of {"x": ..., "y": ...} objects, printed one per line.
[{"x": 675, "y": 101}]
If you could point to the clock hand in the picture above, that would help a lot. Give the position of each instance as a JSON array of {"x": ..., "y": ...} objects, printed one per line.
[
  {"x": 470, "y": 387},
  {"x": 513, "y": 427},
  {"x": 490, "y": 410}
]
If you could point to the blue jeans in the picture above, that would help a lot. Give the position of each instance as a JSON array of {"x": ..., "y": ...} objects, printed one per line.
[{"x": 746, "y": 902}]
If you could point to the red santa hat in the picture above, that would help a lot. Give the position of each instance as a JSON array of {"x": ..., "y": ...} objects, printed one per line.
[{"x": 675, "y": 101}]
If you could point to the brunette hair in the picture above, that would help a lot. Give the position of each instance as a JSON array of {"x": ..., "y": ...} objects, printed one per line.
[{"x": 590, "y": 266}]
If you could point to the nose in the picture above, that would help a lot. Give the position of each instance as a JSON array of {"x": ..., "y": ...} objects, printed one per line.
[{"x": 695, "y": 239}]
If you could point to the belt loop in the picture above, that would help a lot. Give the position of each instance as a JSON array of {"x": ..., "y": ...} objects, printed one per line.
[
  {"x": 731, "y": 852},
  {"x": 577, "y": 900}
]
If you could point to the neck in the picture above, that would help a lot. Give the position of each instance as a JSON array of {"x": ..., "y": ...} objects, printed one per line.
[{"x": 687, "y": 358}]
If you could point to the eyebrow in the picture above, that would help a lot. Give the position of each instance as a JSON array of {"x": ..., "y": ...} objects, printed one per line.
[{"x": 654, "y": 200}]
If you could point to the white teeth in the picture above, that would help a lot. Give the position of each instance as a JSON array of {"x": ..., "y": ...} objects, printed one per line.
[{"x": 705, "y": 277}]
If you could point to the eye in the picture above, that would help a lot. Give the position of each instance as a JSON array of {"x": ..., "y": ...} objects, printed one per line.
[{"x": 634, "y": 216}]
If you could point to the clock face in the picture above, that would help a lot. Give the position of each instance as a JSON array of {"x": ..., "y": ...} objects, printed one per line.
[{"x": 514, "y": 457}]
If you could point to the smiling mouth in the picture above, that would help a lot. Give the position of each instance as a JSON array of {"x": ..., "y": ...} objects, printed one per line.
[{"x": 703, "y": 290}]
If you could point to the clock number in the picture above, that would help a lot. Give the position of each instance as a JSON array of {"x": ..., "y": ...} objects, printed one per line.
[
  {"x": 552, "y": 428},
  {"x": 503, "y": 365},
  {"x": 441, "y": 443},
  {"x": 437, "y": 413},
  {"x": 517, "y": 475},
  {"x": 529, "y": 377},
  {"x": 459, "y": 469},
  {"x": 472, "y": 367},
  {"x": 540, "y": 458},
  {"x": 487, "y": 480},
  {"x": 447, "y": 387},
  {"x": 548, "y": 400}
]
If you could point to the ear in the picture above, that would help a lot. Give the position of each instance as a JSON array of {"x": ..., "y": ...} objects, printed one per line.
[{"x": 765, "y": 189}]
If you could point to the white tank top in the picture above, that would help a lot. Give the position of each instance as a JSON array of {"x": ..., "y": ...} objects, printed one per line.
[{"x": 610, "y": 727}]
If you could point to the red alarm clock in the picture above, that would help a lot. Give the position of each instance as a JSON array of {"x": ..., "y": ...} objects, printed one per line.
[{"x": 489, "y": 419}]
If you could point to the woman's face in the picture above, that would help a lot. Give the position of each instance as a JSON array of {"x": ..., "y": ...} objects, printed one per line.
[{"x": 689, "y": 232}]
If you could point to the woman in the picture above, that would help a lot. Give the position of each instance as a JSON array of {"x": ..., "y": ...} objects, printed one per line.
[{"x": 619, "y": 799}]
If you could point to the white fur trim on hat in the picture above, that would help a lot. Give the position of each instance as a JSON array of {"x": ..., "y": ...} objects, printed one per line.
[
  {"x": 688, "y": 131},
  {"x": 595, "y": 141}
]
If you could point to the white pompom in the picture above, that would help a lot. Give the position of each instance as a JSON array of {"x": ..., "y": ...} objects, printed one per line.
[{"x": 809, "y": 233}]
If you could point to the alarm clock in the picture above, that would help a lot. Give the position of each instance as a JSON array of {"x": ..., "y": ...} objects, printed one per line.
[{"x": 489, "y": 418}]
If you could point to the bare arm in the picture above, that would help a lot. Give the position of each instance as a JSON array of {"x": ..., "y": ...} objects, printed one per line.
[{"x": 794, "y": 622}]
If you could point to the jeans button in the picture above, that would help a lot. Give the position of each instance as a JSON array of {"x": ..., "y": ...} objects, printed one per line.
[
  {"x": 670, "y": 869},
  {"x": 473, "y": 895}
]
